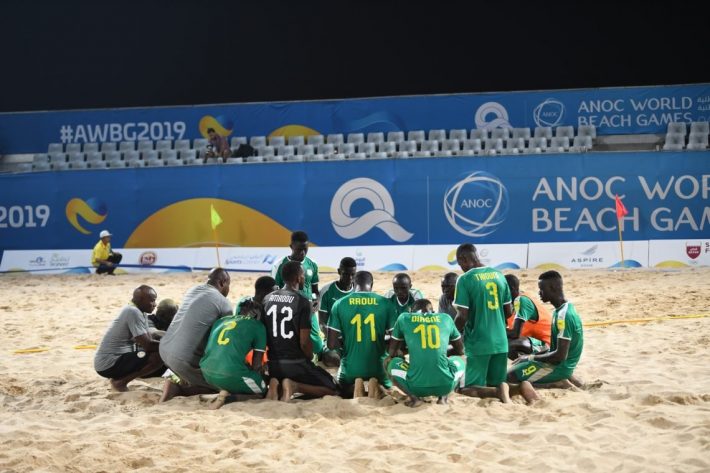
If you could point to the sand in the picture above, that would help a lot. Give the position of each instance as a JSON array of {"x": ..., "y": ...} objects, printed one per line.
[{"x": 652, "y": 412}]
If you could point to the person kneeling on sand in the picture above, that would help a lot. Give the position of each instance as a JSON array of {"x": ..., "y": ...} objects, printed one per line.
[
  {"x": 117, "y": 357},
  {"x": 429, "y": 371},
  {"x": 223, "y": 364}
]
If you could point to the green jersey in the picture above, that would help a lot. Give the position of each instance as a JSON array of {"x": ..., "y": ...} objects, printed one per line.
[
  {"x": 230, "y": 339},
  {"x": 427, "y": 337},
  {"x": 566, "y": 323},
  {"x": 524, "y": 308},
  {"x": 310, "y": 268},
  {"x": 329, "y": 294},
  {"x": 414, "y": 295},
  {"x": 483, "y": 291},
  {"x": 362, "y": 318}
]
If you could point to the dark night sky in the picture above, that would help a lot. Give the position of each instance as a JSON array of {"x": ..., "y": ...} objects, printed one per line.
[{"x": 64, "y": 54}]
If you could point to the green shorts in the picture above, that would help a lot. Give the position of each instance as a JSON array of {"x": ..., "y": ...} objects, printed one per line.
[
  {"x": 348, "y": 376},
  {"x": 485, "y": 370},
  {"x": 246, "y": 382},
  {"x": 539, "y": 373},
  {"x": 398, "y": 368},
  {"x": 537, "y": 345}
]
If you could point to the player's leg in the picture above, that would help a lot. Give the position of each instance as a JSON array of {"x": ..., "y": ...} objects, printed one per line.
[
  {"x": 359, "y": 388},
  {"x": 186, "y": 380},
  {"x": 330, "y": 358},
  {"x": 473, "y": 383},
  {"x": 132, "y": 367},
  {"x": 308, "y": 379},
  {"x": 497, "y": 371},
  {"x": 273, "y": 392},
  {"x": 519, "y": 346},
  {"x": 397, "y": 371},
  {"x": 374, "y": 389}
]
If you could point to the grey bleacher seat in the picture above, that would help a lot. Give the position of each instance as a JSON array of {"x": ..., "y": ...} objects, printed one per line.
[
  {"x": 285, "y": 150},
  {"x": 523, "y": 133},
  {"x": 277, "y": 141},
  {"x": 98, "y": 165},
  {"x": 453, "y": 145},
  {"x": 587, "y": 130},
  {"x": 57, "y": 158},
  {"x": 543, "y": 132},
  {"x": 387, "y": 147},
  {"x": 24, "y": 167},
  {"x": 136, "y": 164},
  {"x": 357, "y": 156},
  {"x": 116, "y": 164},
  {"x": 565, "y": 132},
  {"x": 306, "y": 149},
  {"x": 183, "y": 144},
  {"x": 674, "y": 141},
  {"x": 76, "y": 157},
  {"x": 376, "y": 137},
  {"x": 152, "y": 163},
  {"x": 514, "y": 145},
  {"x": 40, "y": 158},
  {"x": 458, "y": 134},
  {"x": 91, "y": 147},
  {"x": 265, "y": 151},
  {"x": 126, "y": 146},
  {"x": 443, "y": 153},
  {"x": 367, "y": 148},
  {"x": 131, "y": 156},
  {"x": 145, "y": 145},
  {"x": 538, "y": 142},
  {"x": 73, "y": 148},
  {"x": 235, "y": 160},
  {"x": 296, "y": 158},
  {"x": 347, "y": 148},
  {"x": 581, "y": 143},
  {"x": 257, "y": 141},
  {"x": 401, "y": 155},
  {"x": 212, "y": 161},
  {"x": 677, "y": 128},
  {"x": 559, "y": 143},
  {"x": 200, "y": 143},
  {"x": 60, "y": 166},
  {"x": 188, "y": 154},
  {"x": 41, "y": 166},
  {"x": 175, "y": 161},
  {"x": 530, "y": 150},
  {"x": 479, "y": 134},
  {"x": 474, "y": 145},
  {"x": 55, "y": 148},
  {"x": 410, "y": 146},
  {"x": 315, "y": 140},
  {"x": 697, "y": 141},
  {"x": 149, "y": 155},
  {"x": 94, "y": 157},
  {"x": 335, "y": 138},
  {"x": 431, "y": 146},
  {"x": 416, "y": 135},
  {"x": 326, "y": 148},
  {"x": 112, "y": 156},
  {"x": 378, "y": 155},
  {"x": 274, "y": 159},
  {"x": 296, "y": 140},
  {"x": 700, "y": 128},
  {"x": 168, "y": 154},
  {"x": 314, "y": 157},
  {"x": 493, "y": 144},
  {"x": 422, "y": 154},
  {"x": 356, "y": 138},
  {"x": 437, "y": 135},
  {"x": 337, "y": 157},
  {"x": 161, "y": 145},
  {"x": 395, "y": 136},
  {"x": 79, "y": 165},
  {"x": 500, "y": 133},
  {"x": 255, "y": 159},
  {"x": 234, "y": 143},
  {"x": 108, "y": 146}
]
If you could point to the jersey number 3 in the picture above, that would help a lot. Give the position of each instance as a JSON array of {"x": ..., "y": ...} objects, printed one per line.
[
  {"x": 288, "y": 313},
  {"x": 492, "y": 289}
]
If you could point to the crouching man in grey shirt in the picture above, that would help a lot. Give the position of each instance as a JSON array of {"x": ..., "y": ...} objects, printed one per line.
[
  {"x": 127, "y": 350},
  {"x": 183, "y": 344}
]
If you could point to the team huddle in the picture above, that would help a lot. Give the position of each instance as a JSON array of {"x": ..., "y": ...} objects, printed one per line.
[{"x": 279, "y": 343}]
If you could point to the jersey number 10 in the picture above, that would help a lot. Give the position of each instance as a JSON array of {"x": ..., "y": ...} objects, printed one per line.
[{"x": 430, "y": 336}]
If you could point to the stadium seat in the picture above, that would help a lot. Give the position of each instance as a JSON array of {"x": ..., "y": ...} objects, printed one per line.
[
  {"x": 335, "y": 139},
  {"x": 356, "y": 138},
  {"x": 327, "y": 148},
  {"x": 73, "y": 148},
  {"x": 306, "y": 149},
  {"x": 148, "y": 155},
  {"x": 277, "y": 141},
  {"x": 378, "y": 155},
  {"x": 376, "y": 137},
  {"x": 161, "y": 145},
  {"x": 151, "y": 163},
  {"x": 416, "y": 135},
  {"x": 523, "y": 133},
  {"x": 560, "y": 143},
  {"x": 234, "y": 143},
  {"x": 422, "y": 154},
  {"x": 401, "y": 155},
  {"x": 201, "y": 143},
  {"x": 212, "y": 161},
  {"x": 395, "y": 136},
  {"x": 587, "y": 130},
  {"x": 458, "y": 134},
  {"x": 174, "y": 161},
  {"x": 700, "y": 128},
  {"x": 94, "y": 157},
  {"x": 538, "y": 142},
  {"x": 581, "y": 143},
  {"x": 296, "y": 141},
  {"x": 126, "y": 146},
  {"x": 183, "y": 144},
  {"x": 367, "y": 148},
  {"x": 314, "y": 157},
  {"x": 109, "y": 146},
  {"x": 91, "y": 147},
  {"x": 40, "y": 158},
  {"x": 315, "y": 140},
  {"x": 131, "y": 156},
  {"x": 57, "y": 158},
  {"x": 336, "y": 157},
  {"x": 543, "y": 132},
  {"x": 493, "y": 144},
  {"x": 437, "y": 135},
  {"x": 79, "y": 165},
  {"x": 112, "y": 156},
  {"x": 697, "y": 141},
  {"x": 286, "y": 150},
  {"x": 473, "y": 145},
  {"x": 514, "y": 145},
  {"x": 168, "y": 154},
  {"x": 255, "y": 141},
  {"x": 356, "y": 156},
  {"x": 453, "y": 145},
  {"x": 409, "y": 146},
  {"x": 265, "y": 151},
  {"x": 188, "y": 154},
  {"x": 500, "y": 133},
  {"x": 235, "y": 161},
  {"x": 116, "y": 164},
  {"x": 136, "y": 164},
  {"x": 76, "y": 157},
  {"x": 479, "y": 134},
  {"x": 677, "y": 128},
  {"x": 387, "y": 147},
  {"x": 145, "y": 145},
  {"x": 296, "y": 158},
  {"x": 431, "y": 146},
  {"x": 443, "y": 153},
  {"x": 674, "y": 142},
  {"x": 274, "y": 159},
  {"x": 55, "y": 148},
  {"x": 565, "y": 132},
  {"x": 60, "y": 166},
  {"x": 39, "y": 166},
  {"x": 98, "y": 165},
  {"x": 346, "y": 148},
  {"x": 532, "y": 150}
]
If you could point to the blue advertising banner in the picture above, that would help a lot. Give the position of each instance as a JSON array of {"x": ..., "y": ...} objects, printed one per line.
[
  {"x": 507, "y": 199},
  {"x": 612, "y": 111}
]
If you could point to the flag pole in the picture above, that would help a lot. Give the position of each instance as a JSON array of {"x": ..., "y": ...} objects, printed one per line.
[
  {"x": 621, "y": 243},
  {"x": 215, "y": 220},
  {"x": 216, "y": 248}
]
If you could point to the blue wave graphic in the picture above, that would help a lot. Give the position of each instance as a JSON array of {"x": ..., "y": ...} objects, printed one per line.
[
  {"x": 629, "y": 263},
  {"x": 379, "y": 121},
  {"x": 81, "y": 270},
  {"x": 394, "y": 267},
  {"x": 507, "y": 265}
]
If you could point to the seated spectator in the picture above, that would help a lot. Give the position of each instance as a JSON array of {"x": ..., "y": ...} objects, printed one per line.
[
  {"x": 104, "y": 259},
  {"x": 218, "y": 146}
]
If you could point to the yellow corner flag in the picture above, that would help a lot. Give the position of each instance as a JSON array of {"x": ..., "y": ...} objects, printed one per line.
[{"x": 214, "y": 216}]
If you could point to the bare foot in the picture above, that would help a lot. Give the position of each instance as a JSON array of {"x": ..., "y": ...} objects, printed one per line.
[
  {"x": 170, "y": 390},
  {"x": 218, "y": 401},
  {"x": 373, "y": 388},
  {"x": 119, "y": 385},
  {"x": 443, "y": 400},
  {"x": 273, "y": 393},
  {"x": 359, "y": 389},
  {"x": 413, "y": 401},
  {"x": 528, "y": 393},
  {"x": 503, "y": 392},
  {"x": 287, "y": 389}
]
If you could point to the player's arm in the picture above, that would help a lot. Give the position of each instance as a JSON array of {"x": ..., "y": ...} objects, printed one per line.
[
  {"x": 146, "y": 342},
  {"x": 517, "y": 328},
  {"x": 157, "y": 334},
  {"x": 392, "y": 350},
  {"x": 555, "y": 357},
  {"x": 257, "y": 360},
  {"x": 305, "y": 342},
  {"x": 334, "y": 341},
  {"x": 461, "y": 317}
]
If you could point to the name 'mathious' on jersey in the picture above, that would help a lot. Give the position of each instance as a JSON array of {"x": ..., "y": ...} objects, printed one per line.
[{"x": 286, "y": 312}]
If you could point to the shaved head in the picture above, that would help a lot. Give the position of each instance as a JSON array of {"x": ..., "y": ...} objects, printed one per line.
[{"x": 219, "y": 278}]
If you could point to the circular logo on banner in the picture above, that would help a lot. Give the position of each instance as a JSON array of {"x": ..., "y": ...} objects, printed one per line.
[
  {"x": 381, "y": 216},
  {"x": 549, "y": 113},
  {"x": 492, "y": 115},
  {"x": 148, "y": 258},
  {"x": 476, "y": 205}
]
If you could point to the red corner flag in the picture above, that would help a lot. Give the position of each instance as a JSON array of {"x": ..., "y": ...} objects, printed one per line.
[{"x": 620, "y": 209}]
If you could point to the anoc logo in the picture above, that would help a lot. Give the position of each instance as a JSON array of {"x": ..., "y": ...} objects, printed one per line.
[
  {"x": 476, "y": 205},
  {"x": 91, "y": 210},
  {"x": 549, "y": 113},
  {"x": 491, "y": 115}
]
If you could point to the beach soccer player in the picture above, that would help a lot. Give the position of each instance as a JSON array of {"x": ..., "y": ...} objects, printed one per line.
[
  {"x": 117, "y": 357},
  {"x": 358, "y": 323},
  {"x": 429, "y": 371},
  {"x": 446, "y": 300},
  {"x": 329, "y": 294},
  {"x": 262, "y": 286},
  {"x": 483, "y": 304},
  {"x": 529, "y": 326},
  {"x": 223, "y": 365},
  {"x": 402, "y": 295},
  {"x": 288, "y": 338},
  {"x": 556, "y": 367}
]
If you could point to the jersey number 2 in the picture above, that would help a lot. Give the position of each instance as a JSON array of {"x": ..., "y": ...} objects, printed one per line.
[
  {"x": 222, "y": 340},
  {"x": 288, "y": 312},
  {"x": 370, "y": 319}
]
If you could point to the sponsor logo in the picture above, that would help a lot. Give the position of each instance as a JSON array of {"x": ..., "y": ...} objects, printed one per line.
[
  {"x": 360, "y": 259},
  {"x": 588, "y": 258},
  {"x": 59, "y": 261},
  {"x": 148, "y": 258},
  {"x": 380, "y": 216},
  {"x": 91, "y": 210},
  {"x": 476, "y": 205},
  {"x": 491, "y": 115},
  {"x": 561, "y": 325},
  {"x": 37, "y": 262},
  {"x": 549, "y": 113},
  {"x": 257, "y": 259},
  {"x": 692, "y": 250}
]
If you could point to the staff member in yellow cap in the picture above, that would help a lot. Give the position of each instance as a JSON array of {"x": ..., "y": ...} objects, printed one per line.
[{"x": 104, "y": 259}]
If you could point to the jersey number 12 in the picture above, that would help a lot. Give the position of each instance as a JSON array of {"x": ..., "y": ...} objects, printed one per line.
[{"x": 288, "y": 312}]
